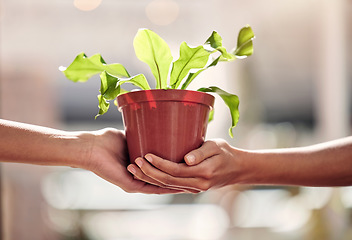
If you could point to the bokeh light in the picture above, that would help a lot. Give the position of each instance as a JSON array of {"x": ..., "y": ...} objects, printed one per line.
[
  {"x": 162, "y": 12},
  {"x": 86, "y": 5}
]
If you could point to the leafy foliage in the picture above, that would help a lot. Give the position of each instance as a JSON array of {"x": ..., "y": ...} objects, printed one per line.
[
  {"x": 154, "y": 51},
  {"x": 230, "y": 100},
  {"x": 83, "y": 68}
]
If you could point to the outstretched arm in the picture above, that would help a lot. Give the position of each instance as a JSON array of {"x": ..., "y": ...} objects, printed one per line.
[
  {"x": 103, "y": 152},
  {"x": 216, "y": 164}
]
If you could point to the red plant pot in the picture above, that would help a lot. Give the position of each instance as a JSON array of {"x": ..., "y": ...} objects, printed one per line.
[{"x": 168, "y": 123}]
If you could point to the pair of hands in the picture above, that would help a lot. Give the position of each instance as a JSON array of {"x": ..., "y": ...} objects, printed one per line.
[
  {"x": 213, "y": 165},
  {"x": 216, "y": 164},
  {"x": 210, "y": 166}
]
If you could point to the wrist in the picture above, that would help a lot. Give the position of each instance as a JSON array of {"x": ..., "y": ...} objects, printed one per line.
[
  {"x": 97, "y": 146},
  {"x": 83, "y": 144},
  {"x": 244, "y": 166},
  {"x": 72, "y": 149},
  {"x": 253, "y": 167}
]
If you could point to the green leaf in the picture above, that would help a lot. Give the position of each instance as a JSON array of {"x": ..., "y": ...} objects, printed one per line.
[
  {"x": 215, "y": 44},
  {"x": 110, "y": 85},
  {"x": 190, "y": 58},
  {"x": 230, "y": 100},
  {"x": 116, "y": 69},
  {"x": 211, "y": 115},
  {"x": 153, "y": 50},
  {"x": 103, "y": 105},
  {"x": 193, "y": 75},
  {"x": 138, "y": 80},
  {"x": 214, "y": 40},
  {"x": 244, "y": 43},
  {"x": 82, "y": 68},
  {"x": 110, "y": 88}
]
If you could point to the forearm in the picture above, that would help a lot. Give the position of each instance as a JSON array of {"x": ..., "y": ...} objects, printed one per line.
[
  {"x": 328, "y": 164},
  {"x": 25, "y": 143}
]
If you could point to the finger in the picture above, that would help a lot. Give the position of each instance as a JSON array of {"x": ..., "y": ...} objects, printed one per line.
[
  {"x": 151, "y": 189},
  {"x": 130, "y": 185},
  {"x": 142, "y": 186},
  {"x": 207, "y": 150},
  {"x": 181, "y": 170},
  {"x": 168, "y": 180},
  {"x": 172, "y": 168},
  {"x": 141, "y": 175},
  {"x": 138, "y": 174}
]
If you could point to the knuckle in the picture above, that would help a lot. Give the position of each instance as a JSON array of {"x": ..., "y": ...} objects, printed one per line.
[
  {"x": 204, "y": 186},
  {"x": 212, "y": 143},
  {"x": 175, "y": 171},
  {"x": 219, "y": 143},
  {"x": 215, "y": 145},
  {"x": 208, "y": 173},
  {"x": 198, "y": 153},
  {"x": 110, "y": 131}
]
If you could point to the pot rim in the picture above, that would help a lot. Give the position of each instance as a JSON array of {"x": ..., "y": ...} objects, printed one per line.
[{"x": 157, "y": 95}]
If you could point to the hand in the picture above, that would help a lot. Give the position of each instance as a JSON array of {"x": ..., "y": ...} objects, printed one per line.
[
  {"x": 213, "y": 165},
  {"x": 108, "y": 158}
]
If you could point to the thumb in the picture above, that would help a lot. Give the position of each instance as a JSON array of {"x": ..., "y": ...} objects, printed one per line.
[{"x": 207, "y": 150}]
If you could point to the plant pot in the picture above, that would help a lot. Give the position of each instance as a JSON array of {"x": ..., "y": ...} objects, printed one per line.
[{"x": 168, "y": 123}]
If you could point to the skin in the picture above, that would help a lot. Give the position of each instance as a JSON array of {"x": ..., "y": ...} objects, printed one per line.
[
  {"x": 103, "y": 152},
  {"x": 216, "y": 164}
]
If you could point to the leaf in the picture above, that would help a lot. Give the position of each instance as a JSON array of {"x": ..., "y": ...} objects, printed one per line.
[
  {"x": 190, "y": 58},
  {"x": 211, "y": 115},
  {"x": 117, "y": 69},
  {"x": 153, "y": 50},
  {"x": 230, "y": 100},
  {"x": 138, "y": 80},
  {"x": 214, "y": 40},
  {"x": 215, "y": 44},
  {"x": 110, "y": 85},
  {"x": 110, "y": 88},
  {"x": 82, "y": 68},
  {"x": 192, "y": 76},
  {"x": 244, "y": 43},
  {"x": 103, "y": 105}
]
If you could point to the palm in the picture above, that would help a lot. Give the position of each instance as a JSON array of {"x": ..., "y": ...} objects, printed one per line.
[{"x": 110, "y": 160}]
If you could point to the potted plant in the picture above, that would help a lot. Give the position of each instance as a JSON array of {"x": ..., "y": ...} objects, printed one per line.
[{"x": 169, "y": 120}]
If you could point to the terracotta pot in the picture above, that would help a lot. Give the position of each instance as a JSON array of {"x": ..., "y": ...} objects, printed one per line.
[{"x": 168, "y": 123}]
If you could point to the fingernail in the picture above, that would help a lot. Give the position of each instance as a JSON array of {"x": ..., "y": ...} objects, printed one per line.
[
  {"x": 131, "y": 169},
  {"x": 191, "y": 158},
  {"x": 139, "y": 162},
  {"x": 149, "y": 158}
]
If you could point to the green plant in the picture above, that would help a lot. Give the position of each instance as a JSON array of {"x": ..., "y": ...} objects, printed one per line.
[{"x": 153, "y": 50}]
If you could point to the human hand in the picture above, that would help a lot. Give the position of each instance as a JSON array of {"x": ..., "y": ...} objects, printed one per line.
[
  {"x": 108, "y": 158},
  {"x": 215, "y": 164}
]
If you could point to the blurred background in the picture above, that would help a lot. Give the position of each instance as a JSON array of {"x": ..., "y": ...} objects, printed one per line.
[{"x": 295, "y": 91}]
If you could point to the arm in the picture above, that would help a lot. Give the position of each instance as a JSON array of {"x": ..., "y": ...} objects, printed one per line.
[
  {"x": 326, "y": 164},
  {"x": 103, "y": 152},
  {"x": 217, "y": 164}
]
